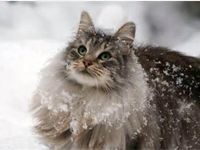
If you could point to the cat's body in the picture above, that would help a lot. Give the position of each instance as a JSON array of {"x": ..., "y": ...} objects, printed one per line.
[
  {"x": 175, "y": 79},
  {"x": 127, "y": 98}
]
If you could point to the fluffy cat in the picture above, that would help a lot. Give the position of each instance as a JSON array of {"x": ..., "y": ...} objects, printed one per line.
[{"x": 103, "y": 92}]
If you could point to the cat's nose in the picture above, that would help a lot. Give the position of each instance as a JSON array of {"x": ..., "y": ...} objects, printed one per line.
[{"x": 87, "y": 63}]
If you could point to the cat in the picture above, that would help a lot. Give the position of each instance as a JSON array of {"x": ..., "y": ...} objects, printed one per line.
[{"x": 104, "y": 92}]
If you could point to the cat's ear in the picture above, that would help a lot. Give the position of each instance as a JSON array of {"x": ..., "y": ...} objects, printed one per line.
[
  {"x": 126, "y": 33},
  {"x": 86, "y": 24}
]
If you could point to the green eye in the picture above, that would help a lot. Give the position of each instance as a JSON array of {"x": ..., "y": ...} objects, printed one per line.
[
  {"x": 105, "y": 56},
  {"x": 82, "y": 50}
]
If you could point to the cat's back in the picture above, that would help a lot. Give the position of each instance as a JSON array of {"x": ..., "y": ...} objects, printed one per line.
[
  {"x": 162, "y": 54},
  {"x": 171, "y": 68},
  {"x": 175, "y": 79}
]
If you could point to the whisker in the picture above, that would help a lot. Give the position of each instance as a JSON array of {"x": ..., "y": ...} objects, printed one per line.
[
  {"x": 94, "y": 74},
  {"x": 97, "y": 69},
  {"x": 97, "y": 74}
]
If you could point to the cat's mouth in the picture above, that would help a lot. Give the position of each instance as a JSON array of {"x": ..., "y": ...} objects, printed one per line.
[
  {"x": 91, "y": 76},
  {"x": 85, "y": 72}
]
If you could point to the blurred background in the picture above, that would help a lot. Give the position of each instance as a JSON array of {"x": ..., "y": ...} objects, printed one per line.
[
  {"x": 33, "y": 32},
  {"x": 170, "y": 24}
]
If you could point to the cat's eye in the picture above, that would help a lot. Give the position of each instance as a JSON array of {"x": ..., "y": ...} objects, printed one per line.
[
  {"x": 105, "y": 56},
  {"x": 82, "y": 50}
]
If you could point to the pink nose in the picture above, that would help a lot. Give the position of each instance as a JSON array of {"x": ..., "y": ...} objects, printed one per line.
[{"x": 87, "y": 63}]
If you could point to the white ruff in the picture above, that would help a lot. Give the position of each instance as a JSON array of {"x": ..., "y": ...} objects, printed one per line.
[{"x": 87, "y": 107}]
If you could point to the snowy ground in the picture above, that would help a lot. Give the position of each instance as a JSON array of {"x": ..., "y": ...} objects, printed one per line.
[
  {"x": 20, "y": 63},
  {"x": 31, "y": 34}
]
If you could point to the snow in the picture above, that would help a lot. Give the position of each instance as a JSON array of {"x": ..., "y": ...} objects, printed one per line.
[
  {"x": 20, "y": 63},
  {"x": 31, "y": 33}
]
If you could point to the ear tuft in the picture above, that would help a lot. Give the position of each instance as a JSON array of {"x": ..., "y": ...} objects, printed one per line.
[
  {"x": 126, "y": 33},
  {"x": 86, "y": 23}
]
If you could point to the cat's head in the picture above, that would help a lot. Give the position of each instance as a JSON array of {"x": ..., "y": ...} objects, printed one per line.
[{"x": 96, "y": 59}]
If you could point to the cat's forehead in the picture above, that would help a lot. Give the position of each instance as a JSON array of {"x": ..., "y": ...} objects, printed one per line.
[{"x": 98, "y": 40}]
